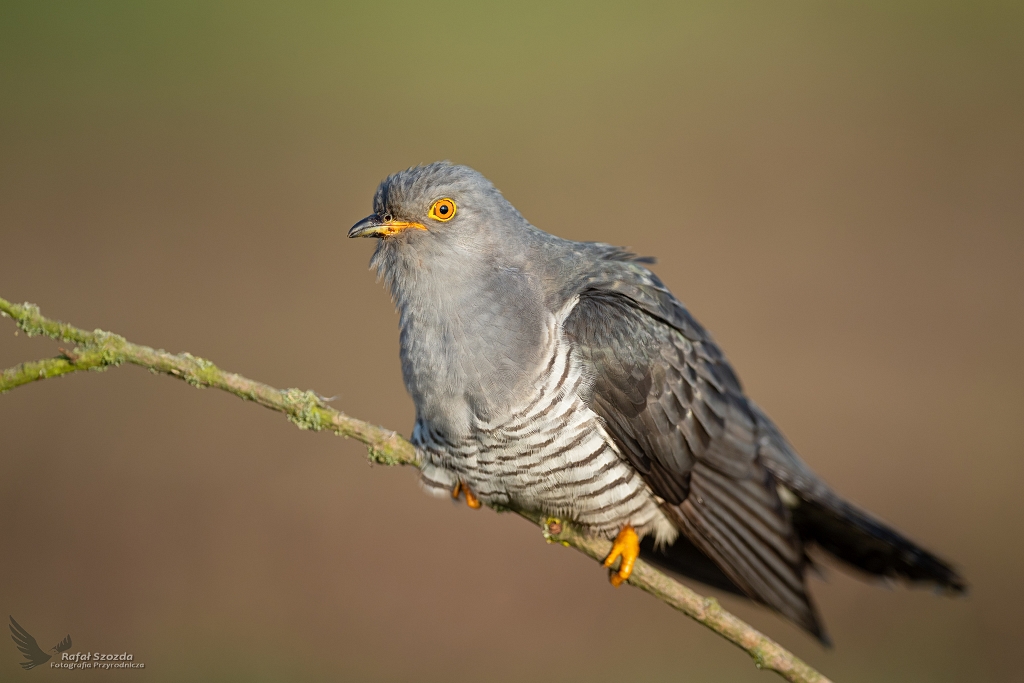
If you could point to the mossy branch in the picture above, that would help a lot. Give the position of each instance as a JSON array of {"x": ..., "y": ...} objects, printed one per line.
[{"x": 99, "y": 350}]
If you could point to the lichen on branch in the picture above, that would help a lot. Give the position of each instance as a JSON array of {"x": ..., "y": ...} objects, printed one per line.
[{"x": 99, "y": 350}]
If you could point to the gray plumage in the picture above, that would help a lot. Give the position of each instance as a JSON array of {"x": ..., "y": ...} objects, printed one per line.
[{"x": 564, "y": 377}]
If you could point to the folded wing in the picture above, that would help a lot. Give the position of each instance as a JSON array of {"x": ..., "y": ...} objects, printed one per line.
[{"x": 678, "y": 414}]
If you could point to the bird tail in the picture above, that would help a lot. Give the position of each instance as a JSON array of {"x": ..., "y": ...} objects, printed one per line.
[
  {"x": 858, "y": 539},
  {"x": 821, "y": 517}
]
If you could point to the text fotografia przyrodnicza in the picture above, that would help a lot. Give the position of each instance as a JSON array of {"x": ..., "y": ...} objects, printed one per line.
[{"x": 97, "y": 660}]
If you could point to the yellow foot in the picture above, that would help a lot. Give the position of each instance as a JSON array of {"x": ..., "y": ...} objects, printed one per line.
[
  {"x": 471, "y": 500},
  {"x": 626, "y": 546}
]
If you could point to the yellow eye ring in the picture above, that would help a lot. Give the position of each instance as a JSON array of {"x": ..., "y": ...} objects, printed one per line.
[{"x": 442, "y": 210}]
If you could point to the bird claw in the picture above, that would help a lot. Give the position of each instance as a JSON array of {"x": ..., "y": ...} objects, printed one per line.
[
  {"x": 626, "y": 546},
  {"x": 471, "y": 500}
]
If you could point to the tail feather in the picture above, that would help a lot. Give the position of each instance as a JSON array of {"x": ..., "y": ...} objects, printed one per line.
[
  {"x": 823, "y": 518},
  {"x": 865, "y": 543}
]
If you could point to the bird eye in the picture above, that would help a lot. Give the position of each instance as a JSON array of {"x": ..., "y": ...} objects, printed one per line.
[{"x": 442, "y": 210}]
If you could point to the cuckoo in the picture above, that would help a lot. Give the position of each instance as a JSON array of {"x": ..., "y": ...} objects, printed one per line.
[{"x": 563, "y": 377}]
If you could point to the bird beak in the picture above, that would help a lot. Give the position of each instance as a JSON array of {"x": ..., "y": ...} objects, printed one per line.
[{"x": 374, "y": 226}]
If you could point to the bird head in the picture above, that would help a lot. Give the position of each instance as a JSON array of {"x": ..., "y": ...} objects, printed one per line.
[{"x": 435, "y": 201}]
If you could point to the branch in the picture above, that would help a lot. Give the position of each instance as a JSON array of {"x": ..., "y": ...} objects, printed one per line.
[{"x": 99, "y": 350}]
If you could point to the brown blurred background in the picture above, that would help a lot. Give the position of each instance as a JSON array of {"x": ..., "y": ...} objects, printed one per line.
[{"x": 836, "y": 190}]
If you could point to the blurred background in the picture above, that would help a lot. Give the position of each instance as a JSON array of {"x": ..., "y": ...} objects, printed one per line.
[{"x": 836, "y": 190}]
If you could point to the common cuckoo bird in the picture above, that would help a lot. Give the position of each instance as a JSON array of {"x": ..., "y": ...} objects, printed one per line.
[{"x": 563, "y": 377}]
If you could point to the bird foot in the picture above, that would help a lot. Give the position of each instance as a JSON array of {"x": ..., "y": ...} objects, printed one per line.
[
  {"x": 626, "y": 546},
  {"x": 471, "y": 500}
]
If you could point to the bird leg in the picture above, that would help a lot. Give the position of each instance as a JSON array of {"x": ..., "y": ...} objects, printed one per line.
[
  {"x": 626, "y": 546},
  {"x": 471, "y": 500}
]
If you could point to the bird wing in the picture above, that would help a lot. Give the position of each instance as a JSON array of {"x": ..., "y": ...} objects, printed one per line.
[
  {"x": 28, "y": 646},
  {"x": 676, "y": 410}
]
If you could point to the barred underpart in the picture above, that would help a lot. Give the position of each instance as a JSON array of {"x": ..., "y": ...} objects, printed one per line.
[{"x": 551, "y": 454}]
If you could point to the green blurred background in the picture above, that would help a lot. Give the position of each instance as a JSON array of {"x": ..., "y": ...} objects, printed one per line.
[{"x": 835, "y": 189}]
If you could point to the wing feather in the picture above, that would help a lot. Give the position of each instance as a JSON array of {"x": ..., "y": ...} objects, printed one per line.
[
  {"x": 758, "y": 559},
  {"x": 679, "y": 416}
]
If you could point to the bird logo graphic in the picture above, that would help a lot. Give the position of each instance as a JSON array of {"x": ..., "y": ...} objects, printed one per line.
[{"x": 30, "y": 648}]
